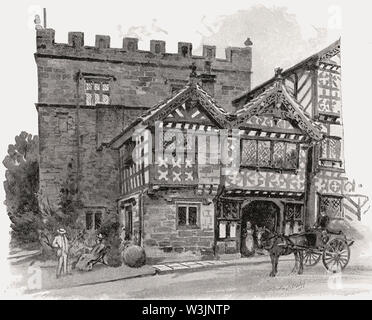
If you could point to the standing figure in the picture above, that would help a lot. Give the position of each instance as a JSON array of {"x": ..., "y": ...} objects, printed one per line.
[
  {"x": 249, "y": 242},
  {"x": 287, "y": 228},
  {"x": 61, "y": 243}
]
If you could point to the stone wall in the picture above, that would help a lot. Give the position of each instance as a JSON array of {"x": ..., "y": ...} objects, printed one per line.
[
  {"x": 98, "y": 171},
  {"x": 139, "y": 78},
  {"x": 163, "y": 238}
]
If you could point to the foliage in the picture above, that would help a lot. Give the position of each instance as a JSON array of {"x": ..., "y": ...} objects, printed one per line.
[
  {"x": 21, "y": 187},
  {"x": 110, "y": 232},
  {"x": 134, "y": 256},
  {"x": 65, "y": 215}
]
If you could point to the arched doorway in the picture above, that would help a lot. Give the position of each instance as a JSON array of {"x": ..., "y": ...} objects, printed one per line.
[{"x": 260, "y": 213}]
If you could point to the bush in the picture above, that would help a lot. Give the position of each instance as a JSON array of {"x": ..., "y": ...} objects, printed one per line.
[
  {"x": 110, "y": 232},
  {"x": 134, "y": 256},
  {"x": 64, "y": 215},
  {"x": 21, "y": 187}
]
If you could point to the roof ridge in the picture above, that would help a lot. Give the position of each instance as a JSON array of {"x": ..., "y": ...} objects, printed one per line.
[{"x": 318, "y": 55}]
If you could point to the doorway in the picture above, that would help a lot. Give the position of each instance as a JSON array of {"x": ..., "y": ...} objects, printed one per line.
[
  {"x": 260, "y": 213},
  {"x": 128, "y": 222}
]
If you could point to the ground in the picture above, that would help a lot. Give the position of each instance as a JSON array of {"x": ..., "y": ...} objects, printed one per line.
[{"x": 231, "y": 282}]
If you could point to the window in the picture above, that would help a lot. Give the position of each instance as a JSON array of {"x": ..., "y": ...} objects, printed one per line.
[
  {"x": 331, "y": 206},
  {"x": 97, "y": 220},
  {"x": 293, "y": 212},
  {"x": 330, "y": 149},
  {"x": 97, "y": 92},
  {"x": 293, "y": 218},
  {"x": 269, "y": 154},
  {"x": 174, "y": 140},
  {"x": 89, "y": 220},
  {"x": 93, "y": 220},
  {"x": 187, "y": 215}
]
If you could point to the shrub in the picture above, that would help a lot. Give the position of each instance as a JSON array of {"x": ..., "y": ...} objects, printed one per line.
[
  {"x": 134, "y": 256},
  {"x": 110, "y": 232},
  {"x": 64, "y": 215}
]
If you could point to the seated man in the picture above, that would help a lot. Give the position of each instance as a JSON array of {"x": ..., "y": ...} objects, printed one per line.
[
  {"x": 322, "y": 221},
  {"x": 322, "y": 224}
]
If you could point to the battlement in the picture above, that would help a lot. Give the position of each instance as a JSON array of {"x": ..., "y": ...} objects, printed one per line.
[{"x": 237, "y": 59}]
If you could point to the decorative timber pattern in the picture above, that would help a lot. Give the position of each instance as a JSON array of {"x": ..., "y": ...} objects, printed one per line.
[
  {"x": 268, "y": 122},
  {"x": 304, "y": 90},
  {"x": 329, "y": 89},
  {"x": 247, "y": 179}
]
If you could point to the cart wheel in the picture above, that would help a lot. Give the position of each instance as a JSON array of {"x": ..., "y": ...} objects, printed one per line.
[
  {"x": 311, "y": 258},
  {"x": 336, "y": 255}
]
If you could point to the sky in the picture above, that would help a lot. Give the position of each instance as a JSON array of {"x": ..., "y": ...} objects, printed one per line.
[{"x": 198, "y": 22}]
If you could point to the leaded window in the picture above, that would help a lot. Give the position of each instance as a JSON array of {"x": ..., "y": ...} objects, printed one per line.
[
  {"x": 173, "y": 140},
  {"x": 249, "y": 152},
  {"x": 330, "y": 149},
  {"x": 291, "y": 156},
  {"x": 293, "y": 212},
  {"x": 263, "y": 153},
  {"x": 97, "y": 92},
  {"x": 269, "y": 154},
  {"x": 331, "y": 206},
  {"x": 279, "y": 155}
]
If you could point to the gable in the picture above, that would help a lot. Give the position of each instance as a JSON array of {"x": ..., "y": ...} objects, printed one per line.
[
  {"x": 190, "y": 112},
  {"x": 277, "y": 103},
  {"x": 191, "y": 104}
]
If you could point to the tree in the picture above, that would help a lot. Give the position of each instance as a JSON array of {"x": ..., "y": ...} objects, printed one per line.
[{"x": 21, "y": 187}]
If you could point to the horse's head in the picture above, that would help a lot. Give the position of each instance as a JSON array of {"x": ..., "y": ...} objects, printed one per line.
[{"x": 263, "y": 236}]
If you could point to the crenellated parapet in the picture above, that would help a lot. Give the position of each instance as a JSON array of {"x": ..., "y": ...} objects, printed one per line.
[{"x": 239, "y": 59}]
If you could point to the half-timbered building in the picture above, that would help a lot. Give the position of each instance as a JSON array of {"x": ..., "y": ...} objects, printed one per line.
[
  {"x": 184, "y": 175},
  {"x": 286, "y": 135}
]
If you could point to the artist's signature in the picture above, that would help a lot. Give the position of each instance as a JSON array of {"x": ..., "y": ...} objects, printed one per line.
[{"x": 291, "y": 285}]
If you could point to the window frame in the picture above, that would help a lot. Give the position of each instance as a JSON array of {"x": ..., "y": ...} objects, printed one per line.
[
  {"x": 338, "y": 197},
  {"x": 93, "y": 91},
  {"x": 188, "y": 205},
  {"x": 271, "y": 166},
  {"x": 293, "y": 218},
  {"x": 328, "y": 156},
  {"x": 94, "y": 213}
]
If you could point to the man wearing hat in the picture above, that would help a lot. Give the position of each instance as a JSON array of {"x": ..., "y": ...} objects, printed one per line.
[{"x": 61, "y": 243}]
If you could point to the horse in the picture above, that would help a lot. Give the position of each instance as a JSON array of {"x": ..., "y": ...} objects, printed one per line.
[{"x": 280, "y": 245}]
